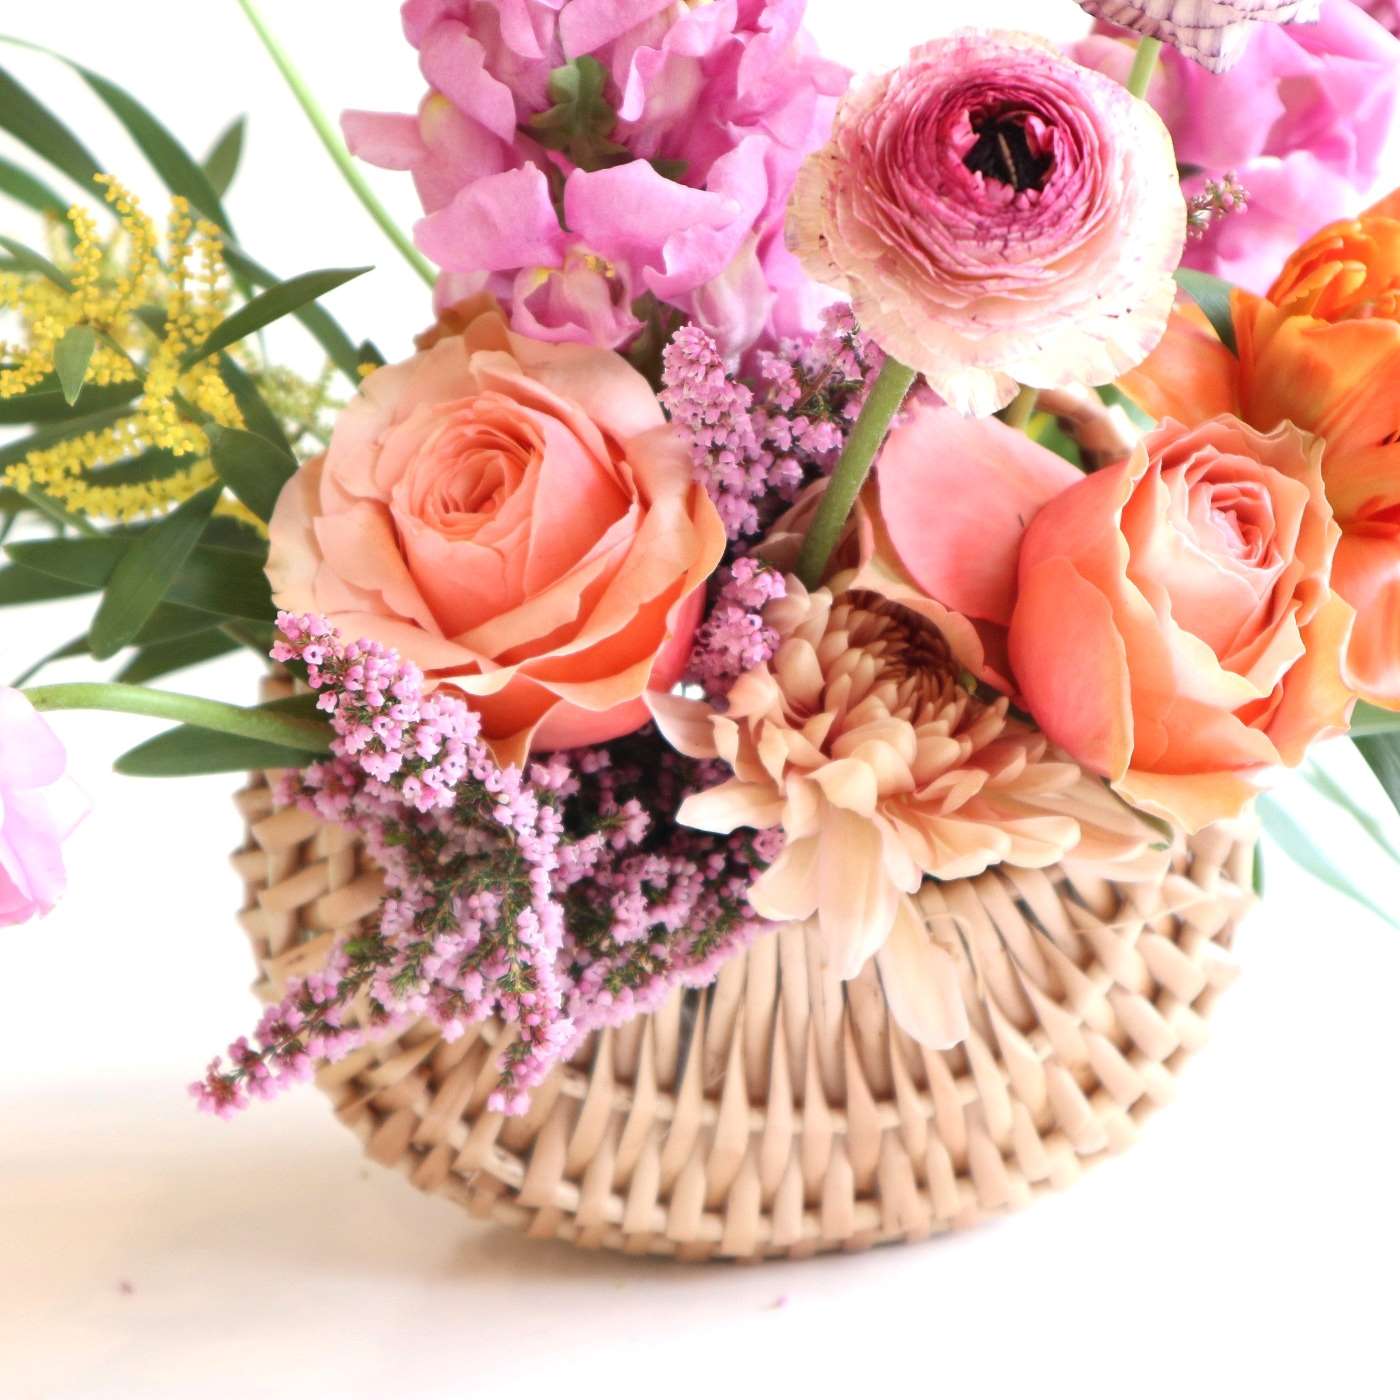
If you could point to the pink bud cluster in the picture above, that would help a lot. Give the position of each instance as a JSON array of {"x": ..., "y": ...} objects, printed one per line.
[
  {"x": 756, "y": 444},
  {"x": 734, "y": 638},
  {"x": 553, "y": 900}
]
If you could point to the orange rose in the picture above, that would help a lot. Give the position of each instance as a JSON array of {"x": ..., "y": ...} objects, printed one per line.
[
  {"x": 1169, "y": 621},
  {"x": 517, "y": 517},
  {"x": 1322, "y": 351}
]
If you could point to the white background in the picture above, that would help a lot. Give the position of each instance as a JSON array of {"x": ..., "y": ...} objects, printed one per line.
[{"x": 1246, "y": 1247}]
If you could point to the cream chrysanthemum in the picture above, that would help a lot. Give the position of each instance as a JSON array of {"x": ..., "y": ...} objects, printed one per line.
[{"x": 859, "y": 739}]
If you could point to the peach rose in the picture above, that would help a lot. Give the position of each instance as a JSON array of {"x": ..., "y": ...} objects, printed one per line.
[
  {"x": 515, "y": 517},
  {"x": 1322, "y": 351},
  {"x": 1170, "y": 621}
]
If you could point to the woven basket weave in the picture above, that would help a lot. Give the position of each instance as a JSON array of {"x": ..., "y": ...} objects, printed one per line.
[{"x": 777, "y": 1113}]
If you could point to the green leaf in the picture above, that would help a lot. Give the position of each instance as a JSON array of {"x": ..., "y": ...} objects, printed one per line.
[
  {"x": 323, "y": 326},
  {"x": 154, "y": 464},
  {"x": 71, "y": 360},
  {"x": 1257, "y": 875},
  {"x": 257, "y": 416},
  {"x": 33, "y": 125},
  {"x": 190, "y": 753},
  {"x": 147, "y": 571},
  {"x": 276, "y": 302},
  {"x": 37, "y": 263},
  {"x": 20, "y": 586},
  {"x": 1370, "y": 720},
  {"x": 1295, "y": 843},
  {"x": 221, "y": 164},
  {"x": 165, "y": 658},
  {"x": 86, "y": 563},
  {"x": 1327, "y": 786},
  {"x": 58, "y": 512},
  {"x": 1212, "y": 295},
  {"x": 1114, "y": 397},
  {"x": 582, "y": 120},
  {"x": 29, "y": 190},
  {"x": 226, "y": 532},
  {"x": 225, "y": 582},
  {"x": 252, "y": 468},
  {"x": 269, "y": 724},
  {"x": 179, "y": 171},
  {"x": 370, "y": 354},
  {"x": 46, "y": 404},
  {"x": 1382, "y": 755}
]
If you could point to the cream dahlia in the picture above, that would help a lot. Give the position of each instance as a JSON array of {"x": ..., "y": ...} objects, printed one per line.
[
  {"x": 997, "y": 215},
  {"x": 859, "y": 739},
  {"x": 1213, "y": 32}
]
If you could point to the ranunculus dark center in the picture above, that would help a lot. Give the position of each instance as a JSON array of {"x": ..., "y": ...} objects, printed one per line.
[{"x": 1003, "y": 152}]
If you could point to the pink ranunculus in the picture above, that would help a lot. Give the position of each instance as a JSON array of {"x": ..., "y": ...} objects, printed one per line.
[
  {"x": 716, "y": 105},
  {"x": 1170, "y": 621},
  {"x": 516, "y": 518},
  {"x": 40, "y": 806},
  {"x": 997, "y": 214},
  {"x": 1306, "y": 120},
  {"x": 1212, "y": 32}
]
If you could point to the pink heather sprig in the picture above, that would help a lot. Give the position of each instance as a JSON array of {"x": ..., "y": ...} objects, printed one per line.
[
  {"x": 1216, "y": 200},
  {"x": 756, "y": 444},
  {"x": 734, "y": 638},
  {"x": 557, "y": 901}
]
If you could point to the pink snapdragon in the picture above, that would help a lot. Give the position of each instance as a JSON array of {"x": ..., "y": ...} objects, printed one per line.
[
  {"x": 40, "y": 806},
  {"x": 664, "y": 170},
  {"x": 1306, "y": 122}
]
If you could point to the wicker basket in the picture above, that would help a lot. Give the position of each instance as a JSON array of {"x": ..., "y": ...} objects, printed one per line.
[{"x": 777, "y": 1113}]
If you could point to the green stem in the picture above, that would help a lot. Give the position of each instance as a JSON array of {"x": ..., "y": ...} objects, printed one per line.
[
  {"x": 1019, "y": 411},
  {"x": 307, "y": 735},
  {"x": 886, "y": 398},
  {"x": 330, "y": 138},
  {"x": 1144, "y": 66}
]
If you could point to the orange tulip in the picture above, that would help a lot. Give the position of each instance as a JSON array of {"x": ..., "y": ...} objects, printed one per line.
[{"x": 1321, "y": 350}]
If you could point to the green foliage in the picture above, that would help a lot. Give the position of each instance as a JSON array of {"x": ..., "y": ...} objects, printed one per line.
[
  {"x": 1295, "y": 843},
  {"x": 253, "y": 468},
  {"x": 1382, "y": 755},
  {"x": 581, "y": 122},
  {"x": 283, "y": 299},
  {"x": 71, "y": 360},
  {"x": 146, "y": 572},
  {"x": 191, "y": 751},
  {"x": 222, "y": 162},
  {"x": 1212, "y": 295}
]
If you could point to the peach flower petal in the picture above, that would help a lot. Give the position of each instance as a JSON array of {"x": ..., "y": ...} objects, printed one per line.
[{"x": 516, "y": 518}]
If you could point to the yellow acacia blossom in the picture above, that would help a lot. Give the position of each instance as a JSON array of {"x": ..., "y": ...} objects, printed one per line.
[{"x": 139, "y": 460}]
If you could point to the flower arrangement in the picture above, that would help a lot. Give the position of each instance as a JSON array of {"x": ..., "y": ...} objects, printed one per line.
[{"x": 725, "y": 555}]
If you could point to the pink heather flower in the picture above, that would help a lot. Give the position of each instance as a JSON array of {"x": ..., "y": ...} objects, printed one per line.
[
  {"x": 1306, "y": 121},
  {"x": 39, "y": 808},
  {"x": 681, "y": 196},
  {"x": 1212, "y": 32},
  {"x": 754, "y": 443},
  {"x": 997, "y": 214}
]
